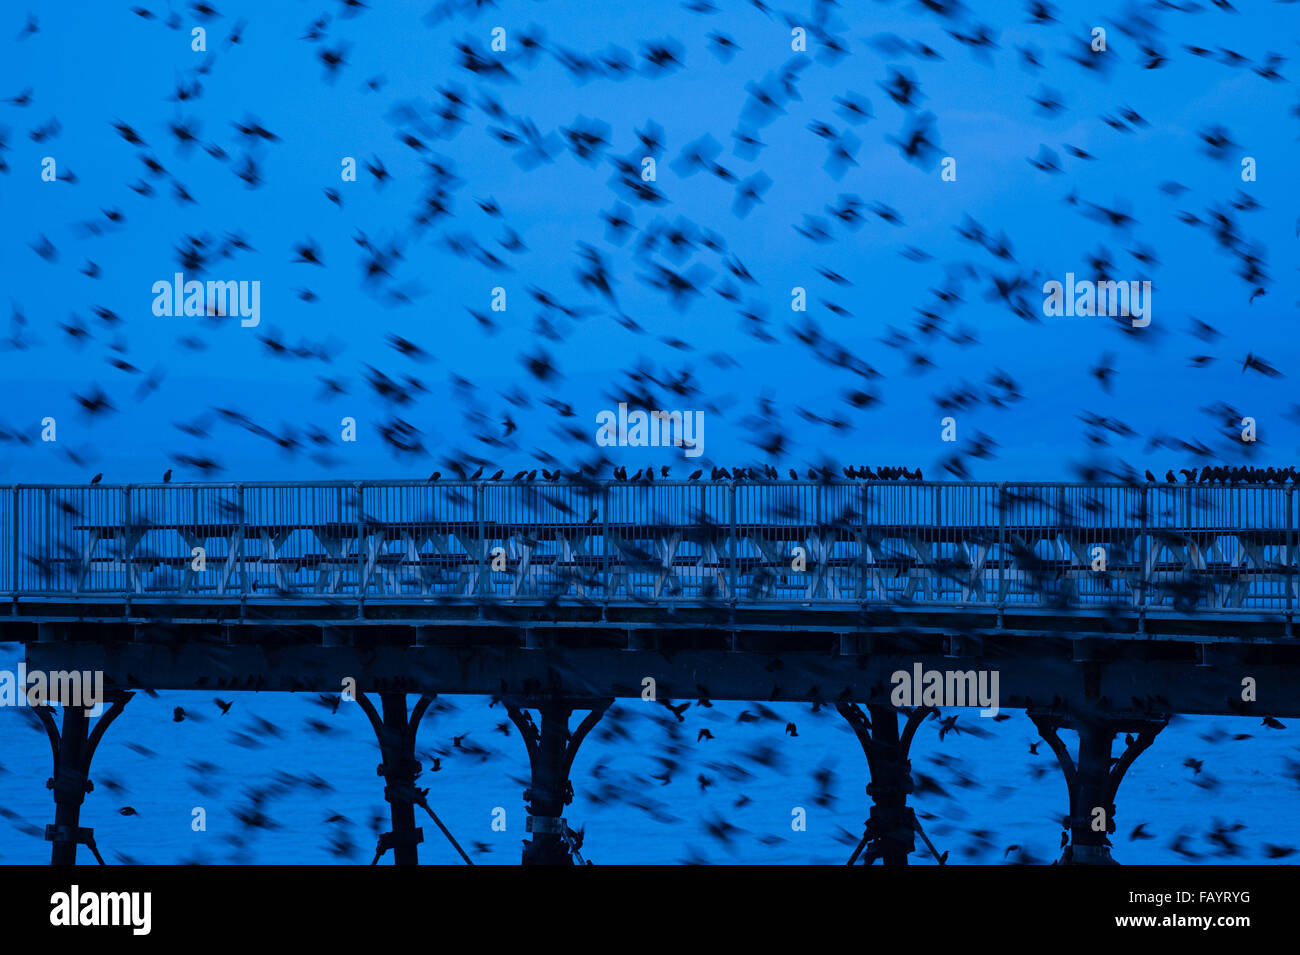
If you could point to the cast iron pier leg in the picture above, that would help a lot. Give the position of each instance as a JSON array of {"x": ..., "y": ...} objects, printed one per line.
[
  {"x": 1093, "y": 781},
  {"x": 891, "y": 825},
  {"x": 400, "y": 769},
  {"x": 73, "y": 749},
  {"x": 551, "y": 750}
]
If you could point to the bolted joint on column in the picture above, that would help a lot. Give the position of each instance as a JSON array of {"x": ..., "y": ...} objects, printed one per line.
[
  {"x": 397, "y": 768},
  {"x": 1084, "y": 821},
  {"x": 891, "y": 773},
  {"x": 890, "y": 787},
  {"x": 1077, "y": 854},
  {"x": 891, "y": 832},
  {"x": 535, "y": 795},
  {"x": 78, "y": 835},
  {"x": 547, "y": 825},
  {"x": 400, "y": 840},
  {"x": 405, "y": 793},
  {"x": 70, "y": 784}
]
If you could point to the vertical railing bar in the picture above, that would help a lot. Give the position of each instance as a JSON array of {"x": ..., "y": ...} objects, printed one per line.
[
  {"x": 606, "y": 551},
  {"x": 243, "y": 530},
  {"x": 734, "y": 545},
  {"x": 1061, "y": 523},
  {"x": 1002, "y": 551},
  {"x": 707, "y": 519},
  {"x": 860, "y": 588},
  {"x": 1288, "y": 578},
  {"x": 48, "y": 521},
  {"x": 358, "y": 492},
  {"x": 1143, "y": 574},
  {"x": 125, "y": 556},
  {"x": 482, "y": 536},
  {"x": 939, "y": 539},
  {"x": 819, "y": 524},
  {"x": 14, "y": 556}
]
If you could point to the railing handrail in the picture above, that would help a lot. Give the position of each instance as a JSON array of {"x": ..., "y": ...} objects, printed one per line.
[{"x": 657, "y": 482}]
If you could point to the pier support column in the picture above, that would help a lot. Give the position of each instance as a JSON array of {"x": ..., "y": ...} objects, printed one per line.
[
  {"x": 400, "y": 769},
  {"x": 1092, "y": 781},
  {"x": 552, "y": 747},
  {"x": 891, "y": 826},
  {"x": 73, "y": 749}
]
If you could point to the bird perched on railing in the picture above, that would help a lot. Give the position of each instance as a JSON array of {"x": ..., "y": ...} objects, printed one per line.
[{"x": 1242, "y": 474}]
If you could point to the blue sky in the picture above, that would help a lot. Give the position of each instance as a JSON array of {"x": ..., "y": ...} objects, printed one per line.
[{"x": 92, "y": 64}]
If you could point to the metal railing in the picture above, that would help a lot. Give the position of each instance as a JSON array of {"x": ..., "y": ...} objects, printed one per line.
[{"x": 1181, "y": 547}]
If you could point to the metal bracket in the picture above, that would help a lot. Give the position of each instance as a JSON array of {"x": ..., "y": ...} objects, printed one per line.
[
  {"x": 546, "y": 825},
  {"x": 389, "y": 840},
  {"x": 1088, "y": 855},
  {"x": 84, "y": 835}
]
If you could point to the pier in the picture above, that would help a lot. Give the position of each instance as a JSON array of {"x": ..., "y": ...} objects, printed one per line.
[{"x": 1104, "y": 609}]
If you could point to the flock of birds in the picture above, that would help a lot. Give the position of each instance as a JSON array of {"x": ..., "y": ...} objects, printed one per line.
[
  {"x": 1240, "y": 475},
  {"x": 682, "y": 262},
  {"x": 1243, "y": 474},
  {"x": 646, "y": 475}
]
